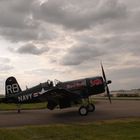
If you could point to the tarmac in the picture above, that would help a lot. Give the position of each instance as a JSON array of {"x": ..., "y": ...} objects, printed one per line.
[{"x": 104, "y": 111}]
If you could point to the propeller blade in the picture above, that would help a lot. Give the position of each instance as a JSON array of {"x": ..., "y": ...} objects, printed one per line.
[
  {"x": 103, "y": 72},
  {"x": 108, "y": 94},
  {"x": 107, "y": 89}
]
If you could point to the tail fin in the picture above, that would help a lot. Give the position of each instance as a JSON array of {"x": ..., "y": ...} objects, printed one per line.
[{"x": 12, "y": 86}]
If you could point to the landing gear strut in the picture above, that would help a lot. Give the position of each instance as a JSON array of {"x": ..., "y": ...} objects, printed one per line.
[{"x": 91, "y": 107}]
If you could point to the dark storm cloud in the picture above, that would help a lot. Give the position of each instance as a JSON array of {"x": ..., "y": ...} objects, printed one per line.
[
  {"x": 76, "y": 55},
  {"x": 32, "y": 49}
]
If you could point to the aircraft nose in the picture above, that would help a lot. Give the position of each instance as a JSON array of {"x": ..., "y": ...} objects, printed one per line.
[{"x": 109, "y": 82}]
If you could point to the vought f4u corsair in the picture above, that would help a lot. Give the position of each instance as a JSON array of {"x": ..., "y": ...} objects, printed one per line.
[{"x": 59, "y": 94}]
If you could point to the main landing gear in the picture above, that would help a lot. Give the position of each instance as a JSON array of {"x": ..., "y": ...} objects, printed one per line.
[{"x": 84, "y": 109}]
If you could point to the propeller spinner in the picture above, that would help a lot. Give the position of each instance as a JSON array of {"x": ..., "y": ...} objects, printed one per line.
[{"x": 106, "y": 83}]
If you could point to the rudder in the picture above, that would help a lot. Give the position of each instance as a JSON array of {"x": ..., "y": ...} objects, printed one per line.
[{"x": 12, "y": 86}]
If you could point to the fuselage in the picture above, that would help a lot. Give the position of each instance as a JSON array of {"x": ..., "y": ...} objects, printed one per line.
[
  {"x": 85, "y": 87},
  {"x": 82, "y": 87}
]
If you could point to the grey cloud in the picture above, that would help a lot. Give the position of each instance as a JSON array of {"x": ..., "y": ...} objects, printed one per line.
[
  {"x": 4, "y": 60},
  {"x": 125, "y": 78},
  {"x": 113, "y": 45},
  {"x": 124, "y": 43},
  {"x": 131, "y": 44},
  {"x": 69, "y": 14},
  {"x": 16, "y": 35},
  {"x": 14, "y": 12},
  {"x": 17, "y": 23},
  {"x": 102, "y": 29},
  {"x": 40, "y": 71},
  {"x": 45, "y": 71},
  {"x": 111, "y": 9},
  {"x": 129, "y": 24},
  {"x": 32, "y": 49},
  {"x": 5, "y": 64},
  {"x": 23, "y": 35},
  {"x": 5, "y": 67},
  {"x": 76, "y": 55},
  {"x": 25, "y": 20},
  {"x": 125, "y": 72}
]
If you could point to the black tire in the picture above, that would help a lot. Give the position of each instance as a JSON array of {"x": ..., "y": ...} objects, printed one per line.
[
  {"x": 18, "y": 111},
  {"x": 83, "y": 111},
  {"x": 91, "y": 107}
]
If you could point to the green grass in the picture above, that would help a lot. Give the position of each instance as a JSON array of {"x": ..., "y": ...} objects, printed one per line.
[
  {"x": 23, "y": 106},
  {"x": 105, "y": 130}
]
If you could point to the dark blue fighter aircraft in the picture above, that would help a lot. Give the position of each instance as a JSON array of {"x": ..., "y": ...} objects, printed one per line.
[{"x": 58, "y": 94}]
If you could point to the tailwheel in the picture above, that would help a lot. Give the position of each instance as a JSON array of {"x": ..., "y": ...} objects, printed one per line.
[
  {"x": 91, "y": 107},
  {"x": 83, "y": 111},
  {"x": 18, "y": 111},
  {"x": 18, "y": 108}
]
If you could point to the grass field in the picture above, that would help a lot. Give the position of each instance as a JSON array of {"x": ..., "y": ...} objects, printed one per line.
[
  {"x": 43, "y": 105},
  {"x": 10, "y": 106},
  {"x": 105, "y": 130},
  {"x": 23, "y": 106},
  {"x": 128, "y": 129}
]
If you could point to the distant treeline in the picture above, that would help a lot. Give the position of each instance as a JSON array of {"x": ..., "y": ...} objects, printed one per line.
[{"x": 127, "y": 95}]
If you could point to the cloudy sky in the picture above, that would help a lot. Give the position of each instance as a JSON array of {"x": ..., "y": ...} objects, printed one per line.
[{"x": 67, "y": 39}]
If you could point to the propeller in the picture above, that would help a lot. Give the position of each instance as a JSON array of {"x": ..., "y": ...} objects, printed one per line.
[{"x": 106, "y": 83}]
